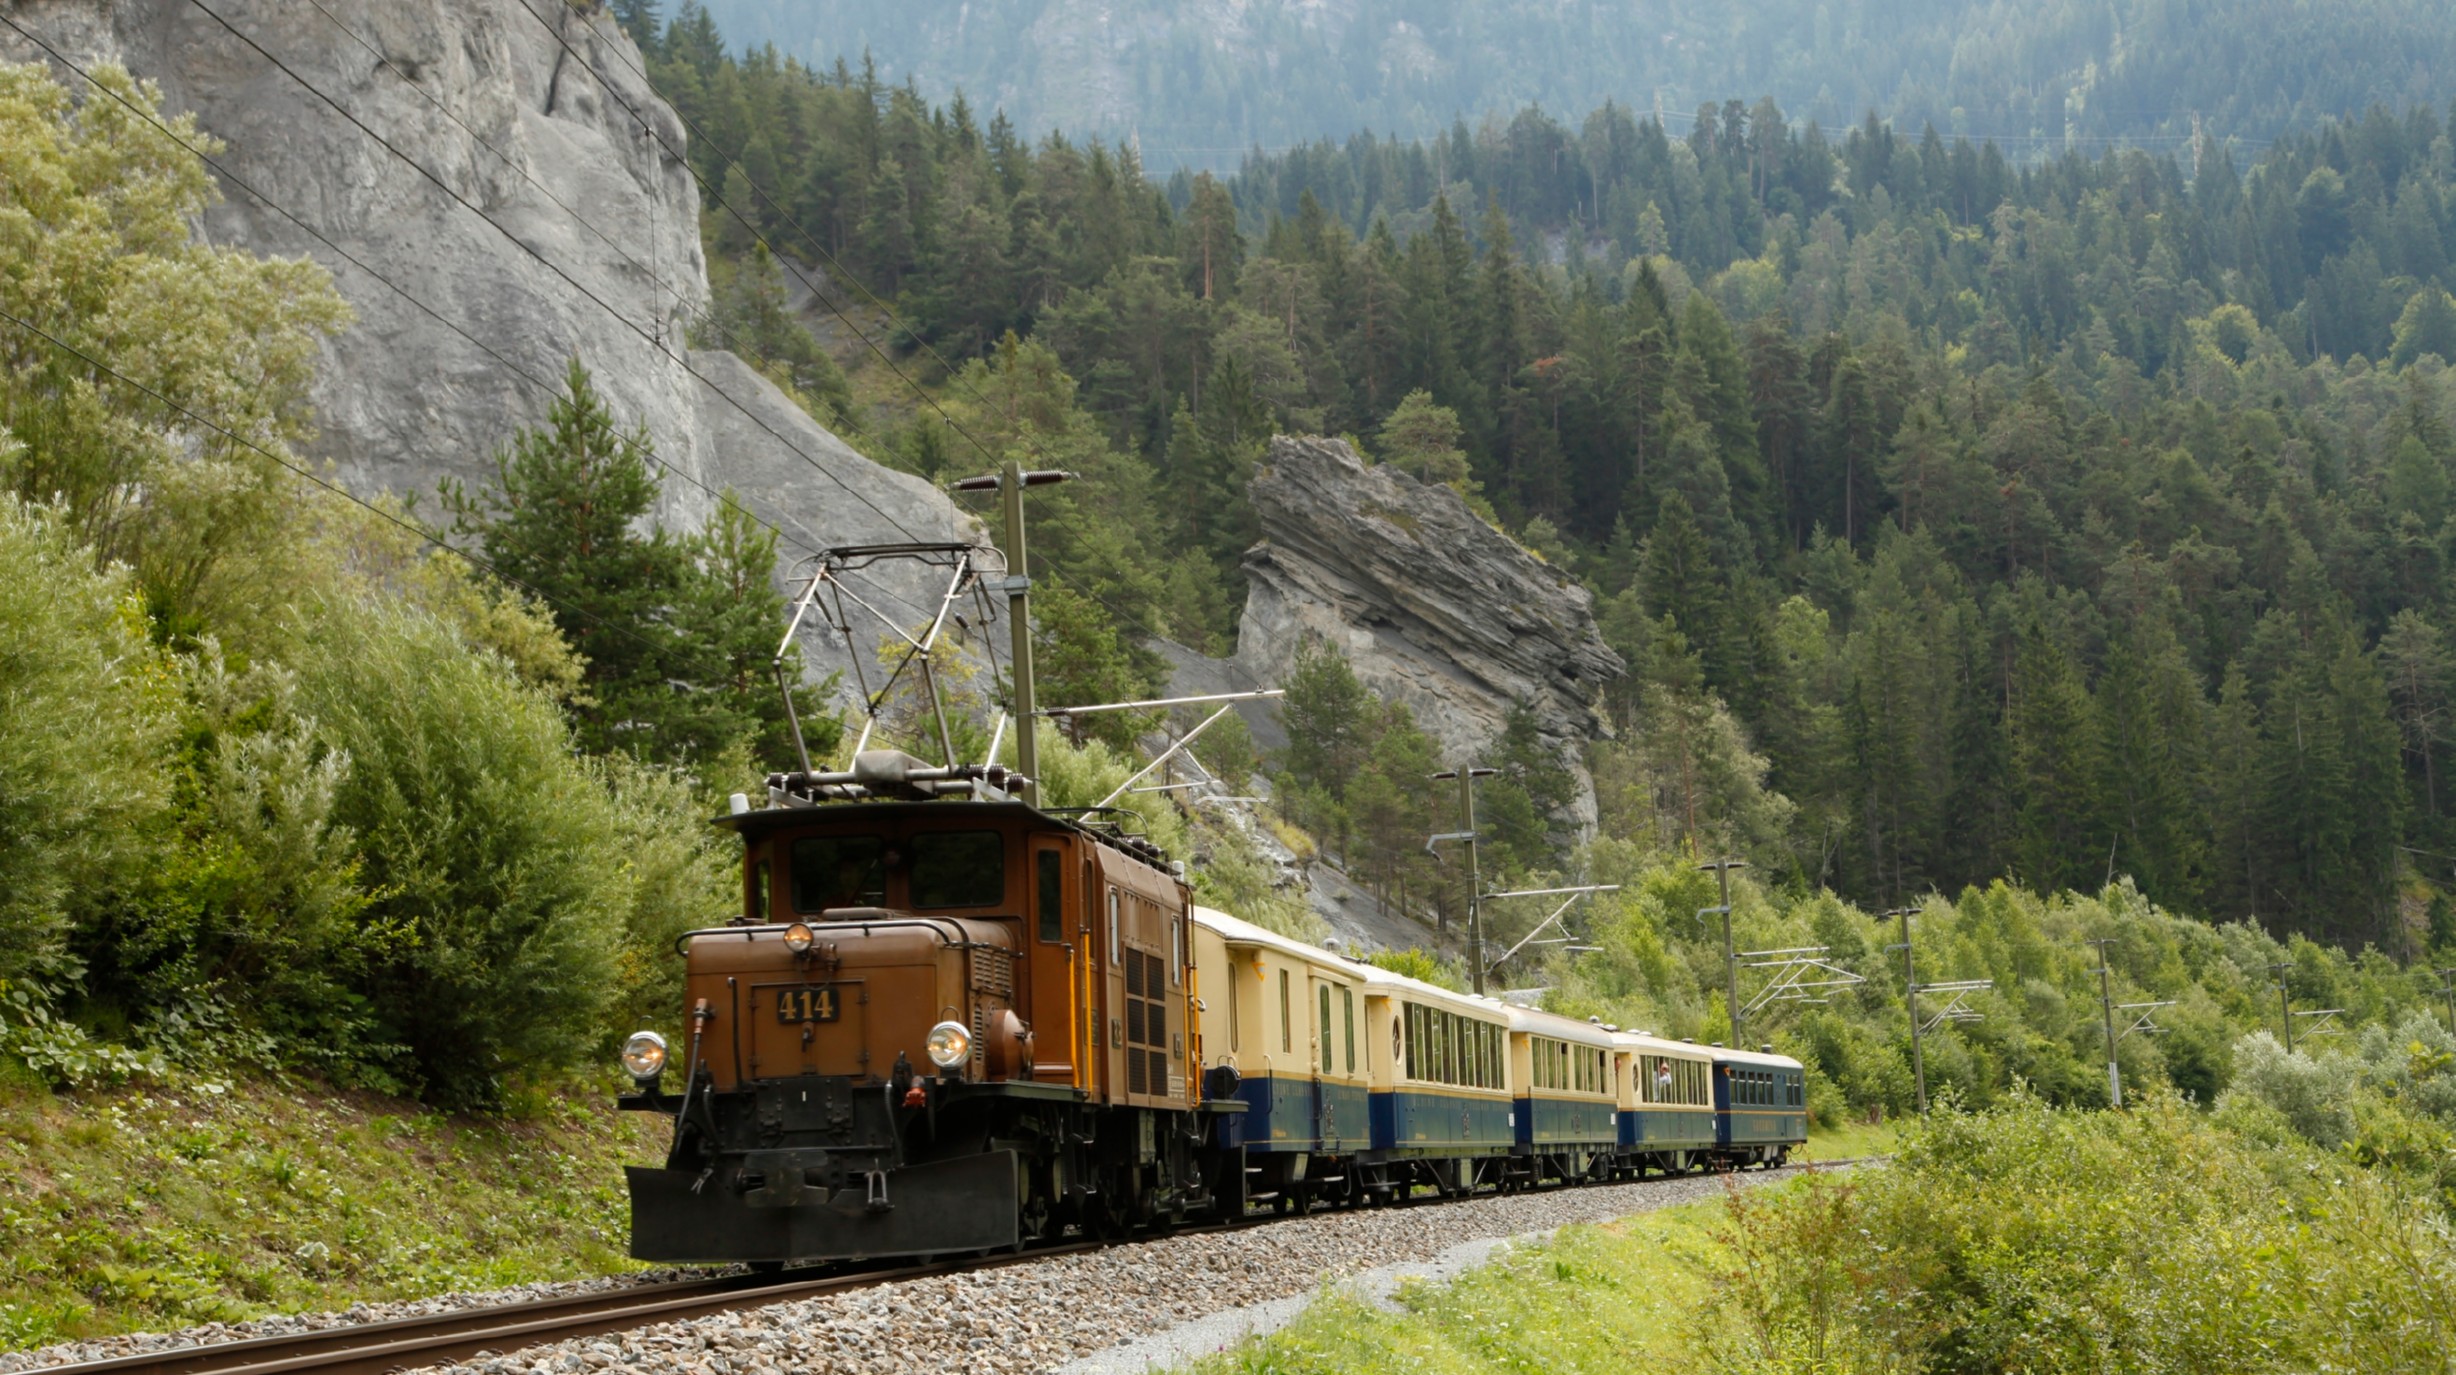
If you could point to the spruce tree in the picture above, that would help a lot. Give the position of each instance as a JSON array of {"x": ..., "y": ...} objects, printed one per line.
[{"x": 564, "y": 519}]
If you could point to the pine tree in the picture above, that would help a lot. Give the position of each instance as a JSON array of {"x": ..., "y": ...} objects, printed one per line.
[
  {"x": 728, "y": 622},
  {"x": 563, "y": 521},
  {"x": 2058, "y": 841}
]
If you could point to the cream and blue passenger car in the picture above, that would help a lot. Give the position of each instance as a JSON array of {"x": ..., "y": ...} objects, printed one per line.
[{"x": 1342, "y": 1083}]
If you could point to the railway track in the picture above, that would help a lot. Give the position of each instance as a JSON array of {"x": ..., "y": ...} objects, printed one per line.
[{"x": 433, "y": 1339}]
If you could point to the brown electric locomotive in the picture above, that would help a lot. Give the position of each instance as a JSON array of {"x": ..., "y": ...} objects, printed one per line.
[{"x": 945, "y": 1021}]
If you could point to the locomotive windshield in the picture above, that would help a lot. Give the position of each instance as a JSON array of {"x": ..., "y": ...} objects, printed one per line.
[
  {"x": 839, "y": 871},
  {"x": 958, "y": 869}
]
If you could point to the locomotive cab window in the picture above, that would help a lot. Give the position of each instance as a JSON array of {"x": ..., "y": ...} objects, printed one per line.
[
  {"x": 839, "y": 871},
  {"x": 958, "y": 869},
  {"x": 757, "y": 899}
]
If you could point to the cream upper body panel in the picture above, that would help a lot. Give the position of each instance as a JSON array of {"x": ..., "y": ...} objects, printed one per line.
[
  {"x": 1277, "y": 1006},
  {"x": 1661, "y": 1074}
]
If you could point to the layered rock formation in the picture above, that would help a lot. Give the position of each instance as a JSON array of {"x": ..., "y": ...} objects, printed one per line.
[
  {"x": 1432, "y": 606},
  {"x": 579, "y": 237}
]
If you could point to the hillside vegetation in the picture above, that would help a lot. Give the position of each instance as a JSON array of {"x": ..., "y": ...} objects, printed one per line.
[
  {"x": 2056, "y": 520},
  {"x": 1199, "y": 85},
  {"x": 2015, "y": 1240}
]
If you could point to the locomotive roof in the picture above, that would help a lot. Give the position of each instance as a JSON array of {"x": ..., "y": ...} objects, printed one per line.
[{"x": 760, "y": 822}]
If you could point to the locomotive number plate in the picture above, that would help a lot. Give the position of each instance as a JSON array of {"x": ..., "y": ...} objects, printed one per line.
[{"x": 809, "y": 1003}]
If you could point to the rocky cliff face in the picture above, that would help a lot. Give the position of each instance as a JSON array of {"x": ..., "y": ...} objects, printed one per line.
[
  {"x": 580, "y": 237},
  {"x": 1432, "y": 606}
]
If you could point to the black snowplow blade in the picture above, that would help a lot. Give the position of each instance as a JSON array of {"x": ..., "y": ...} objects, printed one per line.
[{"x": 933, "y": 1209}]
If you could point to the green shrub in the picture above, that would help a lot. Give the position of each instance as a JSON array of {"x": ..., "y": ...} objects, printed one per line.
[
  {"x": 2043, "y": 1240},
  {"x": 85, "y": 707},
  {"x": 491, "y": 853}
]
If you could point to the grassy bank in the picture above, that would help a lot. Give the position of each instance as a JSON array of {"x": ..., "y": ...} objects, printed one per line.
[
  {"x": 1613, "y": 1298},
  {"x": 2025, "y": 1238},
  {"x": 150, "y": 1206}
]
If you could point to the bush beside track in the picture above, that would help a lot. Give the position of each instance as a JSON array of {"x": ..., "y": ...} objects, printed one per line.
[
  {"x": 2022, "y": 1238},
  {"x": 148, "y": 1207}
]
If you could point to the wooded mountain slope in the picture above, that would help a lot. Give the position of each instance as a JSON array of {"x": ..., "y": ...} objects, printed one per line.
[
  {"x": 1201, "y": 84},
  {"x": 1961, "y": 517}
]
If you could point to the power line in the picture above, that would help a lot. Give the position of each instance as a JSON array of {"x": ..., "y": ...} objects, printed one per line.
[
  {"x": 730, "y": 163},
  {"x": 717, "y": 194},
  {"x": 647, "y": 451},
  {"x": 335, "y": 488},
  {"x": 549, "y": 265}
]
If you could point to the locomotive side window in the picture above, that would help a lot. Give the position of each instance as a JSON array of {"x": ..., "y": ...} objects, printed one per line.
[
  {"x": 1116, "y": 952},
  {"x": 758, "y": 910},
  {"x": 1049, "y": 894},
  {"x": 838, "y": 871},
  {"x": 1287, "y": 1034},
  {"x": 958, "y": 869}
]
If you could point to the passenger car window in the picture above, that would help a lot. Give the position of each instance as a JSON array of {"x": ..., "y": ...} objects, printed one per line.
[
  {"x": 1323, "y": 1029},
  {"x": 838, "y": 871},
  {"x": 1347, "y": 1017},
  {"x": 958, "y": 869}
]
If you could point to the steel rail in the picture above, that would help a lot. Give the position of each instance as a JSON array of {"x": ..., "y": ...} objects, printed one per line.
[
  {"x": 394, "y": 1344},
  {"x": 433, "y": 1339}
]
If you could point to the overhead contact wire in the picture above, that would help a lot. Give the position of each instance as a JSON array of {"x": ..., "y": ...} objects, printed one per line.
[
  {"x": 425, "y": 535},
  {"x": 551, "y": 266},
  {"x": 647, "y": 451},
  {"x": 730, "y": 163}
]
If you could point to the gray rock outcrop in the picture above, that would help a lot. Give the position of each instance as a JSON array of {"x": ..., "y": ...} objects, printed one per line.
[
  {"x": 579, "y": 236},
  {"x": 1431, "y": 606}
]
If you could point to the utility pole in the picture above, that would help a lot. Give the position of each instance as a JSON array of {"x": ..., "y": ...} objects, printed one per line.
[
  {"x": 2285, "y": 1005},
  {"x": 1731, "y": 960},
  {"x": 1910, "y": 996},
  {"x": 1466, "y": 777},
  {"x": 2106, "y": 1003},
  {"x": 1009, "y": 483}
]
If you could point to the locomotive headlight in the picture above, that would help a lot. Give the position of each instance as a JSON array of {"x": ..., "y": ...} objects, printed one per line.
[
  {"x": 949, "y": 1044},
  {"x": 798, "y": 938},
  {"x": 644, "y": 1056}
]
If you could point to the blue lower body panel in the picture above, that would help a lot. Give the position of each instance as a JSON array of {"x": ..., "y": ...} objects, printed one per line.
[
  {"x": 1653, "y": 1129},
  {"x": 1430, "y": 1121},
  {"x": 1565, "y": 1122},
  {"x": 1284, "y": 1113},
  {"x": 1763, "y": 1127}
]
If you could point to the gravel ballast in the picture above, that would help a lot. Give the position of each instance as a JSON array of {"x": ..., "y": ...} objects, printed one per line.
[
  {"x": 1122, "y": 1309},
  {"x": 292, "y": 1324},
  {"x": 1047, "y": 1314}
]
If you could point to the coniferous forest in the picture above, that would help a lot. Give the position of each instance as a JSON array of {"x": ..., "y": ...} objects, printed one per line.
[
  {"x": 1961, "y": 515},
  {"x": 1201, "y": 85}
]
